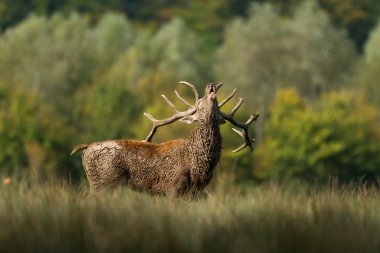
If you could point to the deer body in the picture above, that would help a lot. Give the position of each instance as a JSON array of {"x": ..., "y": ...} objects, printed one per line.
[{"x": 173, "y": 168}]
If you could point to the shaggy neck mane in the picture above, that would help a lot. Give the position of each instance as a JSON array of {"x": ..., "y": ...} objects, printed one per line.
[{"x": 204, "y": 148}]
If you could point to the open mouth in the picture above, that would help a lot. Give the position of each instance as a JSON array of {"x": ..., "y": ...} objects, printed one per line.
[{"x": 212, "y": 88}]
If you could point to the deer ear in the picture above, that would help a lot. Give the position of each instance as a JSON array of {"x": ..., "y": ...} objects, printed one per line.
[{"x": 189, "y": 119}]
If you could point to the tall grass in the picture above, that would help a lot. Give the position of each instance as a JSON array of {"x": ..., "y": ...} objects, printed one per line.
[{"x": 270, "y": 218}]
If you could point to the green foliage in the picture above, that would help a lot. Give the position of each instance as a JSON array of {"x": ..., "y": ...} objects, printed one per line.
[
  {"x": 154, "y": 65},
  {"x": 64, "y": 64},
  {"x": 208, "y": 18},
  {"x": 267, "y": 51},
  {"x": 368, "y": 70},
  {"x": 56, "y": 56},
  {"x": 71, "y": 77},
  {"x": 137, "y": 68},
  {"x": 13, "y": 11},
  {"x": 358, "y": 17},
  {"x": 31, "y": 136},
  {"x": 107, "y": 110},
  {"x": 156, "y": 62},
  {"x": 52, "y": 56},
  {"x": 113, "y": 35},
  {"x": 175, "y": 54},
  {"x": 336, "y": 137}
]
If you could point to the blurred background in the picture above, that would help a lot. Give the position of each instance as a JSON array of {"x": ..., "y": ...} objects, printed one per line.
[{"x": 77, "y": 71}]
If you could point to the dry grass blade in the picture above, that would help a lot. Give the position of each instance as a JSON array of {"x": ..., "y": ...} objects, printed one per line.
[{"x": 268, "y": 218}]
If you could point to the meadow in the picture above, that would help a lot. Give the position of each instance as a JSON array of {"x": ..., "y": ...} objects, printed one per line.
[
  {"x": 52, "y": 217},
  {"x": 80, "y": 71}
]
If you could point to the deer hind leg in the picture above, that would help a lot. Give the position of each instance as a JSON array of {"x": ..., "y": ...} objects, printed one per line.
[
  {"x": 91, "y": 173},
  {"x": 103, "y": 166}
]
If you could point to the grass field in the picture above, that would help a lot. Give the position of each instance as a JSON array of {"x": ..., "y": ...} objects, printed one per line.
[{"x": 269, "y": 218}]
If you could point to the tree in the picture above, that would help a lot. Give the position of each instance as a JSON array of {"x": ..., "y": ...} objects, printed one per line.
[
  {"x": 107, "y": 110},
  {"x": 266, "y": 51},
  {"x": 358, "y": 17},
  {"x": 136, "y": 71},
  {"x": 56, "y": 56},
  {"x": 32, "y": 137},
  {"x": 338, "y": 136},
  {"x": 112, "y": 36},
  {"x": 65, "y": 66},
  {"x": 52, "y": 56},
  {"x": 208, "y": 18},
  {"x": 368, "y": 70},
  {"x": 12, "y": 12}
]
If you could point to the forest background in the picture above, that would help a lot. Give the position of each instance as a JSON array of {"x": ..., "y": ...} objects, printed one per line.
[{"x": 78, "y": 71}]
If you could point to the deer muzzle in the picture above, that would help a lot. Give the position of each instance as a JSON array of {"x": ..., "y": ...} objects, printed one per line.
[{"x": 211, "y": 91}]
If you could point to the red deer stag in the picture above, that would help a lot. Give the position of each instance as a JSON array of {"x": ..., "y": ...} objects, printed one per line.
[{"x": 176, "y": 167}]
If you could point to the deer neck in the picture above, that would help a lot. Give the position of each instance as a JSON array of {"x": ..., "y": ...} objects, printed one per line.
[{"x": 203, "y": 148}]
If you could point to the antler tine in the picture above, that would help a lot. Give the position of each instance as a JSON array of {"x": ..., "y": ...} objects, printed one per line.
[
  {"x": 237, "y": 106},
  {"x": 154, "y": 128},
  {"x": 182, "y": 99},
  {"x": 243, "y": 134},
  {"x": 252, "y": 118},
  {"x": 150, "y": 117},
  {"x": 248, "y": 141},
  {"x": 218, "y": 86},
  {"x": 227, "y": 98},
  {"x": 196, "y": 93},
  {"x": 170, "y": 103},
  {"x": 158, "y": 123},
  {"x": 177, "y": 114}
]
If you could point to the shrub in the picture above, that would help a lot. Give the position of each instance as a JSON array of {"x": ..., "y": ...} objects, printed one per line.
[
  {"x": 32, "y": 136},
  {"x": 338, "y": 136}
]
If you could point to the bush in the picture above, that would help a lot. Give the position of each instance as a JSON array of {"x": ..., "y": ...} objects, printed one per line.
[
  {"x": 32, "y": 136},
  {"x": 338, "y": 136},
  {"x": 106, "y": 110}
]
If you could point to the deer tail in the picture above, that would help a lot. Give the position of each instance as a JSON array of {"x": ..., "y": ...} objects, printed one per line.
[{"x": 78, "y": 148}]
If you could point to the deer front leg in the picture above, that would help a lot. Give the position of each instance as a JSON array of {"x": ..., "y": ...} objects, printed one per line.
[{"x": 181, "y": 185}]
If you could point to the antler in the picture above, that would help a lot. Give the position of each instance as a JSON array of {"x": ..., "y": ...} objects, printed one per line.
[
  {"x": 248, "y": 141},
  {"x": 177, "y": 114}
]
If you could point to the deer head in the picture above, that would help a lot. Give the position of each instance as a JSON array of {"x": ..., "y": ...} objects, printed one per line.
[
  {"x": 207, "y": 107},
  {"x": 204, "y": 109}
]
